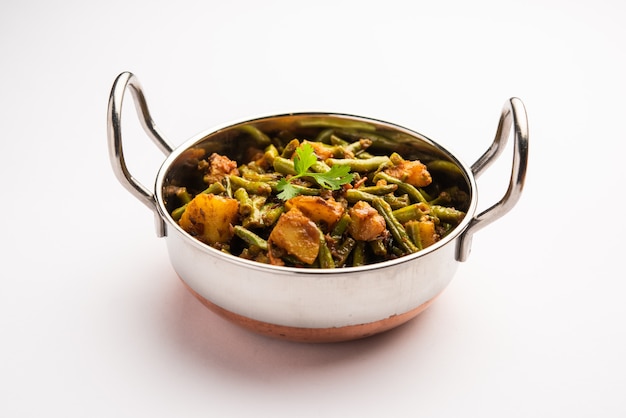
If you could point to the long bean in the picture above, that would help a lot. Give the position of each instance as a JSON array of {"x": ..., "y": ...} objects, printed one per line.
[
  {"x": 397, "y": 230},
  {"x": 259, "y": 136},
  {"x": 358, "y": 254},
  {"x": 324, "y": 122},
  {"x": 270, "y": 212},
  {"x": 354, "y": 195},
  {"x": 342, "y": 252},
  {"x": 413, "y": 231},
  {"x": 379, "y": 190},
  {"x": 378, "y": 247},
  {"x": 341, "y": 226},
  {"x": 325, "y": 257},
  {"x": 251, "y": 186},
  {"x": 446, "y": 167},
  {"x": 447, "y": 214},
  {"x": 284, "y": 165},
  {"x": 250, "y": 237},
  {"x": 411, "y": 212},
  {"x": 360, "y": 165},
  {"x": 412, "y": 191},
  {"x": 250, "y": 208}
]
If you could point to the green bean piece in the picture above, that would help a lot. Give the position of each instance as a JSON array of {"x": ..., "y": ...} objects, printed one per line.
[
  {"x": 215, "y": 188},
  {"x": 250, "y": 237},
  {"x": 228, "y": 186},
  {"x": 178, "y": 212},
  {"x": 359, "y": 146},
  {"x": 425, "y": 194},
  {"x": 396, "y": 159},
  {"x": 447, "y": 214},
  {"x": 397, "y": 202},
  {"x": 320, "y": 167},
  {"x": 452, "y": 196},
  {"x": 183, "y": 195},
  {"x": 360, "y": 165},
  {"x": 379, "y": 190},
  {"x": 262, "y": 177},
  {"x": 253, "y": 187},
  {"x": 354, "y": 195},
  {"x": 245, "y": 203},
  {"x": 255, "y": 219},
  {"x": 335, "y": 140},
  {"x": 378, "y": 247},
  {"x": 323, "y": 122},
  {"x": 445, "y": 228},
  {"x": 284, "y": 165},
  {"x": 341, "y": 226},
  {"x": 377, "y": 139},
  {"x": 444, "y": 166},
  {"x": 363, "y": 155},
  {"x": 259, "y": 136},
  {"x": 290, "y": 148},
  {"x": 271, "y": 152},
  {"x": 395, "y": 227},
  {"x": 444, "y": 198},
  {"x": 398, "y": 252},
  {"x": 342, "y": 252},
  {"x": 325, "y": 136},
  {"x": 249, "y": 208},
  {"x": 413, "y": 231},
  {"x": 358, "y": 254},
  {"x": 411, "y": 212},
  {"x": 325, "y": 257},
  {"x": 412, "y": 191},
  {"x": 270, "y": 212}
]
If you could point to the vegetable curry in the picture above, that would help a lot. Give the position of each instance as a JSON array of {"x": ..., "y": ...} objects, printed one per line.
[{"x": 321, "y": 196}]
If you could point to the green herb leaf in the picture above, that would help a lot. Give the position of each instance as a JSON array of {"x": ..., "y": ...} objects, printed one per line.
[
  {"x": 333, "y": 179},
  {"x": 287, "y": 191},
  {"x": 304, "y": 159}
]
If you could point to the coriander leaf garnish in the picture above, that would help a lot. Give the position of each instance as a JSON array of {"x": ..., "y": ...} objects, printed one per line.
[
  {"x": 303, "y": 160},
  {"x": 287, "y": 190}
]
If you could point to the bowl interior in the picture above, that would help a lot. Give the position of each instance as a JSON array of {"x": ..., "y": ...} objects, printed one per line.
[
  {"x": 233, "y": 141},
  {"x": 236, "y": 139}
]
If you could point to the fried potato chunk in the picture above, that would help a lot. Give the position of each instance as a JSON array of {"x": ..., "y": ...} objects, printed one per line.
[
  {"x": 428, "y": 234},
  {"x": 210, "y": 218},
  {"x": 297, "y": 235},
  {"x": 366, "y": 224},
  {"x": 317, "y": 209},
  {"x": 412, "y": 172},
  {"x": 219, "y": 167}
]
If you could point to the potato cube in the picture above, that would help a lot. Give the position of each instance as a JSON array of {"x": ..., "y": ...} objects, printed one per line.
[
  {"x": 366, "y": 224},
  {"x": 298, "y": 235},
  {"x": 210, "y": 217},
  {"x": 317, "y": 209}
]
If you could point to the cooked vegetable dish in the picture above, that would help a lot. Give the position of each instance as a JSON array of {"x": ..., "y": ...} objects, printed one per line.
[{"x": 321, "y": 195}]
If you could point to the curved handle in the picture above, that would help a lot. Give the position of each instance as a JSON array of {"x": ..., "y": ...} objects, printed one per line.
[
  {"x": 513, "y": 115},
  {"x": 124, "y": 81}
]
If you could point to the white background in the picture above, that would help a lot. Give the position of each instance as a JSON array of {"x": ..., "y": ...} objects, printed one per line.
[{"x": 95, "y": 323}]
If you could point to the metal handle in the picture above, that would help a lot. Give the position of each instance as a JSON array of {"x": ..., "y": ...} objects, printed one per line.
[
  {"x": 124, "y": 81},
  {"x": 513, "y": 115}
]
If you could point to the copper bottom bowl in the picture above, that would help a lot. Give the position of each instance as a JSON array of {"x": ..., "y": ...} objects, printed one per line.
[{"x": 308, "y": 304}]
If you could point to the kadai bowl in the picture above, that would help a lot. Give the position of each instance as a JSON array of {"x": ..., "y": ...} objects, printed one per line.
[{"x": 316, "y": 227}]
